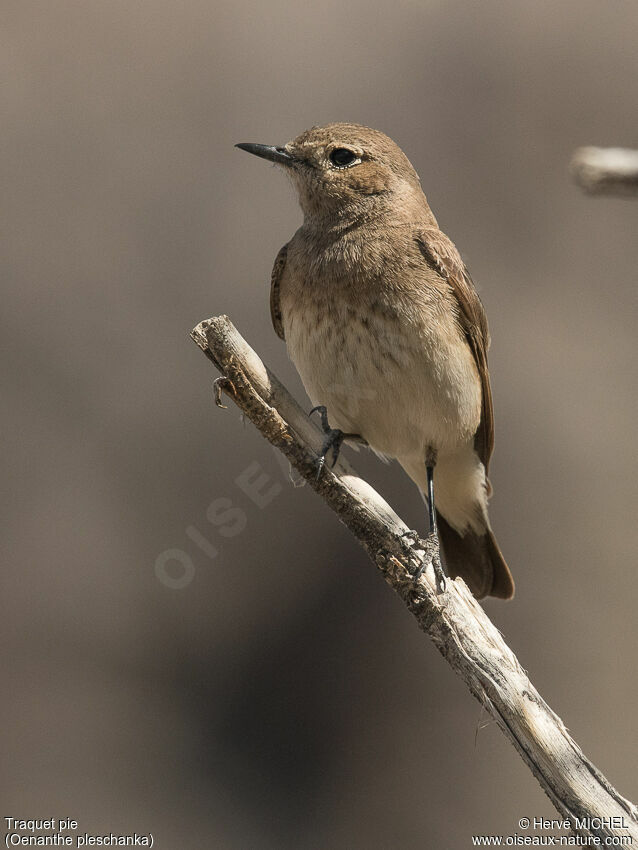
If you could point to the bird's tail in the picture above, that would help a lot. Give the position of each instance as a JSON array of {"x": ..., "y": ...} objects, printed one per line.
[
  {"x": 477, "y": 559},
  {"x": 460, "y": 496}
]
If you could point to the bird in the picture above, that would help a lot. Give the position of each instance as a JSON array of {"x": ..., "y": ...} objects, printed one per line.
[{"x": 385, "y": 327}]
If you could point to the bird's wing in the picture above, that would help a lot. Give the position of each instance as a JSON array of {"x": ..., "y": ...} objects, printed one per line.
[
  {"x": 441, "y": 255},
  {"x": 275, "y": 280}
]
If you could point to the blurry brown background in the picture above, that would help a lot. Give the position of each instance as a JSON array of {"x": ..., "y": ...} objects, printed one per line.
[{"x": 283, "y": 697}]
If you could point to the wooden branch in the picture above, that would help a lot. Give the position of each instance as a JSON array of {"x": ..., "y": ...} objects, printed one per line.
[
  {"x": 606, "y": 171},
  {"x": 453, "y": 619}
]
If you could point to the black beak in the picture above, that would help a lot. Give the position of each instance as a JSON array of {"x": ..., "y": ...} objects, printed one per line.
[{"x": 267, "y": 152}]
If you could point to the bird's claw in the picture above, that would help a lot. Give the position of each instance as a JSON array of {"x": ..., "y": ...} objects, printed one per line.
[
  {"x": 323, "y": 413},
  {"x": 412, "y": 535},
  {"x": 432, "y": 544},
  {"x": 333, "y": 441}
]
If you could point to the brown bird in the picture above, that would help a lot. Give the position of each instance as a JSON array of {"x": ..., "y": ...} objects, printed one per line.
[{"x": 381, "y": 319}]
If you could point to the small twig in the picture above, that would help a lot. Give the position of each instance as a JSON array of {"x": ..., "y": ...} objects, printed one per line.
[
  {"x": 606, "y": 171},
  {"x": 220, "y": 384},
  {"x": 455, "y": 622}
]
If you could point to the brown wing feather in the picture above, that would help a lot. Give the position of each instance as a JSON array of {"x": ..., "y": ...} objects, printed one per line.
[
  {"x": 441, "y": 254},
  {"x": 275, "y": 280}
]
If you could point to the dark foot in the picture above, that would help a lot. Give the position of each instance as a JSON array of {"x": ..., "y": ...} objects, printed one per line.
[
  {"x": 411, "y": 535},
  {"x": 334, "y": 438},
  {"x": 432, "y": 542}
]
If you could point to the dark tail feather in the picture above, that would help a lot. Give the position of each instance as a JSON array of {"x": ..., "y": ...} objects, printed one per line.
[{"x": 477, "y": 559}]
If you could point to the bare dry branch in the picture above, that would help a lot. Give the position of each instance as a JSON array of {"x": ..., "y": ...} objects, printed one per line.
[
  {"x": 455, "y": 622},
  {"x": 606, "y": 171}
]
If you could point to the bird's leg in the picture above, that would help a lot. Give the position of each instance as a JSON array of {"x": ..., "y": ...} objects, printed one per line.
[
  {"x": 439, "y": 573},
  {"x": 430, "y": 462},
  {"x": 334, "y": 438}
]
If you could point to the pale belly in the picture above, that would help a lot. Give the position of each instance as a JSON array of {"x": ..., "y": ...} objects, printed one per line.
[{"x": 403, "y": 384}]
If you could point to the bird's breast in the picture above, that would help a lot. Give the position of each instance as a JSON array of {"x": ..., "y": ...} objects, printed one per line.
[{"x": 389, "y": 361}]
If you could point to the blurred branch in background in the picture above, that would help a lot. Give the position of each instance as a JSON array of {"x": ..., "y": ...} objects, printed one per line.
[
  {"x": 606, "y": 171},
  {"x": 454, "y": 621}
]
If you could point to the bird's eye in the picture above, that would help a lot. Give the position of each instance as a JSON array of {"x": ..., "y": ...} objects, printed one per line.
[{"x": 342, "y": 157}]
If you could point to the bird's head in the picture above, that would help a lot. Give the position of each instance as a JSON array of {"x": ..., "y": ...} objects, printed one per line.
[{"x": 346, "y": 172}]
